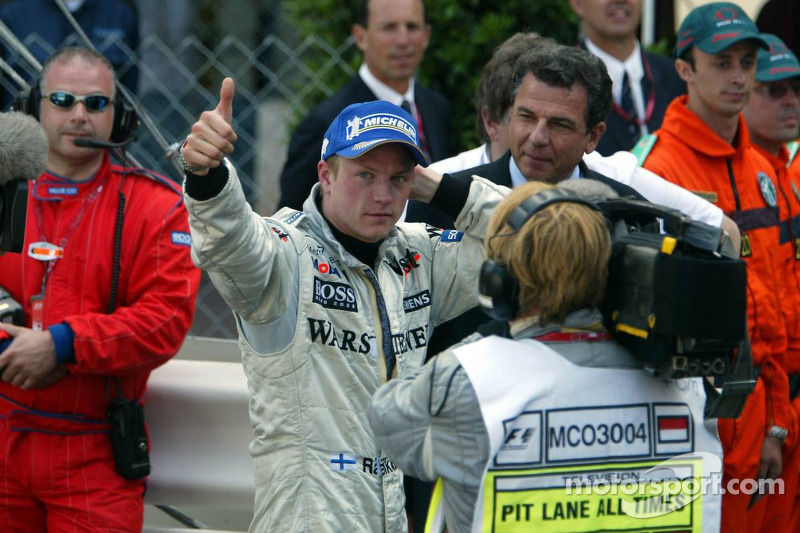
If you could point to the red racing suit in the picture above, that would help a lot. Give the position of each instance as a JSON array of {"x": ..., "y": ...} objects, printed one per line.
[
  {"x": 56, "y": 462},
  {"x": 736, "y": 178}
]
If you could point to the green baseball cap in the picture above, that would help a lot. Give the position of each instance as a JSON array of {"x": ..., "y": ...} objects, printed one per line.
[
  {"x": 714, "y": 27},
  {"x": 778, "y": 62}
]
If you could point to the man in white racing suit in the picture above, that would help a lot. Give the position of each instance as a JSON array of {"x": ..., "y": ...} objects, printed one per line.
[
  {"x": 519, "y": 428},
  {"x": 331, "y": 302}
]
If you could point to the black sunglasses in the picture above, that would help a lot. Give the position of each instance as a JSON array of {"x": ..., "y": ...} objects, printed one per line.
[
  {"x": 776, "y": 91},
  {"x": 94, "y": 103}
]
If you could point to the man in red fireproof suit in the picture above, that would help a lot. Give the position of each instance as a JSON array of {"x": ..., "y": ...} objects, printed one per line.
[{"x": 61, "y": 371}]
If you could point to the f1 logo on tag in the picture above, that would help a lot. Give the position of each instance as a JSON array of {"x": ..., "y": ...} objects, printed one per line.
[{"x": 37, "y": 312}]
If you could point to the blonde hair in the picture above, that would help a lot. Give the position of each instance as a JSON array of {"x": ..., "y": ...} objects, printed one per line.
[{"x": 559, "y": 257}]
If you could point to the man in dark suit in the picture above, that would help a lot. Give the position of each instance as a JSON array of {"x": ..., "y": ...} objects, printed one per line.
[
  {"x": 561, "y": 98},
  {"x": 643, "y": 83},
  {"x": 393, "y": 36}
]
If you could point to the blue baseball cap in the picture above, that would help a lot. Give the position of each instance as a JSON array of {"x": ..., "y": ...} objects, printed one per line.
[
  {"x": 777, "y": 63},
  {"x": 361, "y": 127},
  {"x": 714, "y": 27}
]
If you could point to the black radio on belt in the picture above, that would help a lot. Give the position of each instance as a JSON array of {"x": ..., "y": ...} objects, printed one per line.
[
  {"x": 128, "y": 437},
  {"x": 10, "y": 310}
]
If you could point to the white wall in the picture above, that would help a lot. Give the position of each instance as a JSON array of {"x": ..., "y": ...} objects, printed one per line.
[{"x": 683, "y": 7}]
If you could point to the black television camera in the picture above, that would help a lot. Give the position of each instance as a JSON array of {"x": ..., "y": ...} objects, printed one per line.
[{"x": 677, "y": 303}]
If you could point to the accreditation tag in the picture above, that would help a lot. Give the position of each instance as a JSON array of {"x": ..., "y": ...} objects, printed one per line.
[
  {"x": 45, "y": 251},
  {"x": 37, "y": 312}
]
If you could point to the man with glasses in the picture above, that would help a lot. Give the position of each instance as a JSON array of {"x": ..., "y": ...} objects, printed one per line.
[
  {"x": 773, "y": 117},
  {"x": 108, "y": 290},
  {"x": 704, "y": 145}
]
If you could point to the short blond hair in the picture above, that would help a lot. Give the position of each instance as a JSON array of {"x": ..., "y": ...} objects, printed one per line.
[{"x": 559, "y": 257}]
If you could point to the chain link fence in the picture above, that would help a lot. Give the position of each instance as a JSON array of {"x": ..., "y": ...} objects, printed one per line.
[{"x": 179, "y": 77}]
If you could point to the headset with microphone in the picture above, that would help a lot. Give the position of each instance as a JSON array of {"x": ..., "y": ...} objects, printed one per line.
[
  {"x": 123, "y": 131},
  {"x": 90, "y": 142},
  {"x": 497, "y": 288}
]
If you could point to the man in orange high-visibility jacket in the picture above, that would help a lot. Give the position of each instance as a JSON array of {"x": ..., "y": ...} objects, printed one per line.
[
  {"x": 773, "y": 116},
  {"x": 704, "y": 146}
]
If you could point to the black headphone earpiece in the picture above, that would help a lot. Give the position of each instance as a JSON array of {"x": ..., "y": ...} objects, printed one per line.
[
  {"x": 28, "y": 102},
  {"x": 125, "y": 118},
  {"x": 498, "y": 290}
]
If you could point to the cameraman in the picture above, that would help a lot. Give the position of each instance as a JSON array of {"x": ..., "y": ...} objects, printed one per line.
[
  {"x": 489, "y": 407},
  {"x": 108, "y": 290}
]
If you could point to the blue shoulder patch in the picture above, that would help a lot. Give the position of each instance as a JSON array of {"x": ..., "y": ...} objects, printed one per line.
[
  {"x": 451, "y": 235},
  {"x": 181, "y": 238},
  {"x": 293, "y": 217}
]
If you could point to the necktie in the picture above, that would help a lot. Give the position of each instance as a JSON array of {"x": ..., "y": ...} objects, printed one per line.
[
  {"x": 626, "y": 103},
  {"x": 405, "y": 104},
  {"x": 626, "y": 98}
]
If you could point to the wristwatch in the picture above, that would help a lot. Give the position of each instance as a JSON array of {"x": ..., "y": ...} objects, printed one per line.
[
  {"x": 778, "y": 432},
  {"x": 186, "y": 166}
]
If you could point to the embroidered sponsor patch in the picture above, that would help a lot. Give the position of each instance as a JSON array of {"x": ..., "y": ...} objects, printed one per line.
[
  {"x": 746, "y": 247},
  {"x": 376, "y": 466},
  {"x": 767, "y": 189},
  {"x": 280, "y": 233},
  {"x": 404, "y": 265},
  {"x": 451, "y": 235},
  {"x": 417, "y": 301},
  {"x": 709, "y": 196},
  {"x": 433, "y": 231},
  {"x": 293, "y": 217},
  {"x": 413, "y": 339},
  {"x": 358, "y": 125},
  {"x": 333, "y": 295},
  {"x": 181, "y": 238},
  {"x": 62, "y": 191},
  {"x": 323, "y": 332},
  {"x": 325, "y": 268},
  {"x": 343, "y": 462}
]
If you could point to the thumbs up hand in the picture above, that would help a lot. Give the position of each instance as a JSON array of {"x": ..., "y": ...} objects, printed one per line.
[{"x": 212, "y": 136}]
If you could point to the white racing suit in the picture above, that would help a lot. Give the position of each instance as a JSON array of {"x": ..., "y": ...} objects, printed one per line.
[{"x": 319, "y": 333}]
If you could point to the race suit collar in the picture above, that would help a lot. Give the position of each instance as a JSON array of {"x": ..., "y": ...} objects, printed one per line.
[
  {"x": 586, "y": 354},
  {"x": 53, "y": 187},
  {"x": 680, "y": 121},
  {"x": 360, "y": 251}
]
